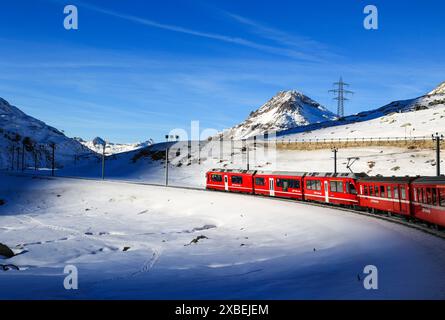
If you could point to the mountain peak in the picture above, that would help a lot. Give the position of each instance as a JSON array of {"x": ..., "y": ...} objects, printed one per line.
[
  {"x": 286, "y": 110},
  {"x": 440, "y": 89}
]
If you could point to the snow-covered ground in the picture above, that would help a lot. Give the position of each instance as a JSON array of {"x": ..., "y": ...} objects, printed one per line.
[
  {"x": 254, "y": 248},
  {"x": 387, "y": 161},
  {"x": 408, "y": 125}
]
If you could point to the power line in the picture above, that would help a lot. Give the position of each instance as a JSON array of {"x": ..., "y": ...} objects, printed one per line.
[{"x": 341, "y": 93}]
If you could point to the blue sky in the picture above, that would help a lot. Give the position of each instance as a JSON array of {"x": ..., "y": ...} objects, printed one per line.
[{"x": 137, "y": 69}]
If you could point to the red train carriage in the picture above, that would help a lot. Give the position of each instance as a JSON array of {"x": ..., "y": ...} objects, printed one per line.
[
  {"x": 279, "y": 184},
  {"x": 428, "y": 199},
  {"x": 335, "y": 188},
  {"x": 389, "y": 194},
  {"x": 230, "y": 180}
]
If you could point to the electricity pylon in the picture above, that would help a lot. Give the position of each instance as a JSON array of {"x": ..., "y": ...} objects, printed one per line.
[{"x": 341, "y": 96}]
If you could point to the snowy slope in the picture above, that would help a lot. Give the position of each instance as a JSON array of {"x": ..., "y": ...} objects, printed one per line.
[
  {"x": 288, "y": 109},
  {"x": 113, "y": 148},
  {"x": 433, "y": 102},
  {"x": 420, "y": 123},
  {"x": 16, "y": 126},
  {"x": 439, "y": 90},
  {"x": 283, "y": 251}
]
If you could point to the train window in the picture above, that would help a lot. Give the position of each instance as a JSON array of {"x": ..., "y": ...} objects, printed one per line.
[
  {"x": 382, "y": 191},
  {"x": 428, "y": 195},
  {"x": 419, "y": 194},
  {"x": 237, "y": 179},
  {"x": 296, "y": 184},
  {"x": 403, "y": 193},
  {"x": 371, "y": 191},
  {"x": 216, "y": 177},
  {"x": 352, "y": 189},
  {"x": 396, "y": 192},
  {"x": 285, "y": 185},
  {"x": 365, "y": 190},
  {"x": 442, "y": 197},
  {"x": 279, "y": 183},
  {"x": 376, "y": 189},
  {"x": 336, "y": 186},
  {"x": 389, "y": 191},
  {"x": 260, "y": 181},
  {"x": 434, "y": 196},
  {"x": 313, "y": 185}
]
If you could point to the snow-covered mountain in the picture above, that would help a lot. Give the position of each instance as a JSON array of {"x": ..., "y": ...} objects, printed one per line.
[
  {"x": 112, "y": 148},
  {"x": 439, "y": 90},
  {"x": 286, "y": 110},
  {"x": 18, "y": 129},
  {"x": 430, "y": 102}
]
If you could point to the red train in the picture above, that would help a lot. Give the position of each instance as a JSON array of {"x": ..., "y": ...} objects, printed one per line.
[{"x": 420, "y": 198}]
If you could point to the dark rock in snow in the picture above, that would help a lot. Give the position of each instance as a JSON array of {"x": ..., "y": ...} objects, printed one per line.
[{"x": 5, "y": 251}]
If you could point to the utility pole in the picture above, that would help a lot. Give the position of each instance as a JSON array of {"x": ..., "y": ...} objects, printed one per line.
[
  {"x": 12, "y": 158},
  {"x": 438, "y": 138},
  {"x": 246, "y": 147},
  {"x": 189, "y": 146},
  {"x": 53, "y": 160},
  {"x": 103, "y": 159},
  {"x": 23, "y": 156},
  {"x": 341, "y": 93},
  {"x": 335, "y": 150},
  {"x": 199, "y": 151},
  {"x": 18, "y": 159},
  {"x": 166, "y": 161},
  {"x": 35, "y": 159},
  {"x": 221, "y": 148}
]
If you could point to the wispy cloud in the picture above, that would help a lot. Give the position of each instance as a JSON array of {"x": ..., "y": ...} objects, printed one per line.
[
  {"x": 292, "y": 41},
  {"x": 288, "y": 52}
]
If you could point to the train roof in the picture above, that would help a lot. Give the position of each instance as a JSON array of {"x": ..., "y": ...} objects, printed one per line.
[
  {"x": 233, "y": 171},
  {"x": 282, "y": 173},
  {"x": 436, "y": 179},
  {"x": 387, "y": 179},
  {"x": 336, "y": 175}
]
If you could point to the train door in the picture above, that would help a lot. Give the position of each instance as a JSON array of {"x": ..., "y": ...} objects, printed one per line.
[
  {"x": 397, "y": 204},
  {"x": 271, "y": 187},
  {"x": 226, "y": 183},
  {"x": 404, "y": 206},
  {"x": 326, "y": 191}
]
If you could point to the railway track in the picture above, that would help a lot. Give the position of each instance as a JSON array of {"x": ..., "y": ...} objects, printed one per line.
[{"x": 394, "y": 219}]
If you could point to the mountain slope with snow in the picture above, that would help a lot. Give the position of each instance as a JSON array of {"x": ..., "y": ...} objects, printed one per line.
[
  {"x": 113, "y": 148},
  {"x": 439, "y": 90},
  {"x": 434, "y": 102},
  {"x": 288, "y": 109},
  {"x": 18, "y": 128}
]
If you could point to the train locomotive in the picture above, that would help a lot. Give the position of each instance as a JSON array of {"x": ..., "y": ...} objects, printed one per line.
[{"x": 414, "y": 198}]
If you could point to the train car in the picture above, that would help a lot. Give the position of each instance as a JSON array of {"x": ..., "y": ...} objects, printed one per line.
[
  {"x": 279, "y": 184},
  {"x": 428, "y": 200},
  {"x": 334, "y": 188},
  {"x": 388, "y": 194},
  {"x": 230, "y": 180}
]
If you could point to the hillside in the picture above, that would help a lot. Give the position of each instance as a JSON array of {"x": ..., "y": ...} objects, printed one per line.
[
  {"x": 111, "y": 148},
  {"x": 286, "y": 110},
  {"x": 18, "y": 129},
  {"x": 428, "y": 121}
]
